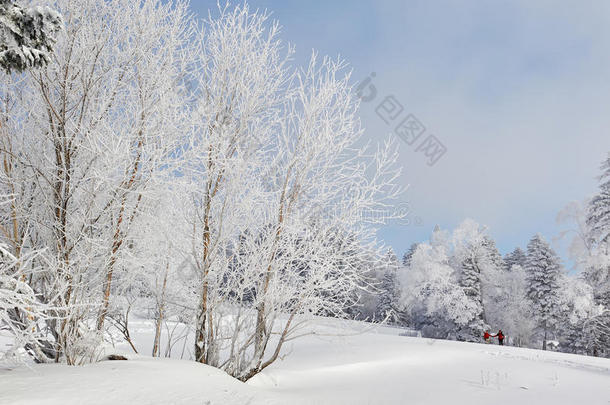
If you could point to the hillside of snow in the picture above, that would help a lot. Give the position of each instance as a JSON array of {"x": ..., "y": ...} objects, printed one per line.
[{"x": 342, "y": 363}]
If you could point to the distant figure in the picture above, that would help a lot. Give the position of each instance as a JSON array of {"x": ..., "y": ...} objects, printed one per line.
[
  {"x": 500, "y": 337},
  {"x": 487, "y": 336}
]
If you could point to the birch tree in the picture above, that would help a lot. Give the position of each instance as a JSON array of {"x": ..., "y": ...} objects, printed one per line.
[
  {"x": 276, "y": 175},
  {"x": 242, "y": 79},
  {"x": 96, "y": 126},
  {"x": 318, "y": 164}
]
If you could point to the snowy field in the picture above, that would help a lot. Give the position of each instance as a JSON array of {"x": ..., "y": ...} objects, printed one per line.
[{"x": 344, "y": 363}]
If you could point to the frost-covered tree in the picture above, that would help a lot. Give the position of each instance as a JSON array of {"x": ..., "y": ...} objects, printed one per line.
[
  {"x": 595, "y": 260},
  {"x": 516, "y": 257},
  {"x": 146, "y": 143},
  {"x": 511, "y": 311},
  {"x": 235, "y": 115},
  {"x": 81, "y": 143},
  {"x": 406, "y": 258},
  {"x": 20, "y": 309},
  {"x": 155, "y": 281},
  {"x": 598, "y": 220},
  {"x": 581, "y": 245},
  {"x": 432, "y": 296},
  {"x": 492, "y": 254},
  {"x": 585, "y": 328},
  {"x": 467, "y": 260},
  {"x": 588, "y": 336},
  {"x": 365, "y": 293},
  {"x": 27, "y": 35},
  {"x": 470, "y": 281},
  {"x": 478, "y": 264},
  {"x": 543, "y": 278},
  {"x": 599, "y": 207},
  {"x": 598, "y": 330},
  {"x": 577, "y": 306},
  {"x": 274, "y": 152},
  {"x": 388, "y": 305},
  {"x": 440, "y": 237}
]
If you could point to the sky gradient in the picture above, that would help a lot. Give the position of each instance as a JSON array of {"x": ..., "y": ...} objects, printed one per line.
[{"x": 517, "y": 91}]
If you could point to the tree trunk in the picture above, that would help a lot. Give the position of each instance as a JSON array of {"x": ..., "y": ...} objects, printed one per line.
[
  {"x": 204, "y": 318},
  {"x": 544, "y": 341},
  {"x": 118, "y": 236},
  {"x": 157, "y": 343}
]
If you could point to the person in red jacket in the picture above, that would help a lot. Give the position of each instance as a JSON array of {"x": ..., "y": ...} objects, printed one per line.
[
  {"x": 486, "y": 337},
  {"x": 500, "y": 337}
]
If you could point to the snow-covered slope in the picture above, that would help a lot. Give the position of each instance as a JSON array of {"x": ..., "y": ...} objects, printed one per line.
[
  {"x": 344, "y": 363},
  {"x": 136, "y": 381},
  {"x": 383, "y": 368}
]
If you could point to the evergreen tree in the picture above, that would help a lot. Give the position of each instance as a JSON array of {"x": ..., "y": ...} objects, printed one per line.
[
  {"x": 543, "y": 278},
  {"x": 510, "y": 311},
  {"x": 478, "y": 265},
  {"x": 598, "y": 221},
  {"x": 574, "y": 338},
  {"x": 492, "y": 255},
  {"x": 406, "y": 258},
  {"x": 516, "y": 257},
  {"x": 597, "y": 329},
  {"x": 470, "y": 278},
  {"x": 598, "y": 273},
  {"x": 577, "y": 307},
  {"x": 27, "y": 35},
  {"x": 470, "y": 281},
  {"x": 589, "y": 336},
  {"x": 493, "y": 286},
  {"x": 598, "y": 218},
  {"x": 387, "y": 306}
]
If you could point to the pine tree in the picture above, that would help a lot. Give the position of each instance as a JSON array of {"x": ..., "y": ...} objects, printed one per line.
[
  {"x": 598, "y": 218},
  {"x": 598, "y": 275},
  {"x": 387, "y": 306},
  {"x": 492, "y": 276},
  {"x": 516, "y": 257},
  {"x": 478, "y": 263},
  {"x": 598, "y": 221},
  {"x": 543, "y": 278},
  {"x": 493, "y": 256},
  {"x": 574, "y": 338},
  {"x": 470, "y": 281},
  {"x": 589, "y": 336},
  {"x": 597, "y": 330},
  {"x": 406, "y": 258},
  {"x": 27, "y": 35}
]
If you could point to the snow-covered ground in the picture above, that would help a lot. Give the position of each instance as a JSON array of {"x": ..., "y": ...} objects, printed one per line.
[{"x": 344, "y": 363}]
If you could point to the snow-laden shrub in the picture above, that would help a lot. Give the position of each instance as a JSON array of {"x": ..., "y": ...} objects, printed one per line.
[{"x": 19, "y": 308}]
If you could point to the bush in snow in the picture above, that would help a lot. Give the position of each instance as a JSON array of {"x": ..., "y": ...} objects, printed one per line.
[{"x": 20, "y": 310}]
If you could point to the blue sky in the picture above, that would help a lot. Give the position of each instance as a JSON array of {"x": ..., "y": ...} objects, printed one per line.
[{"x": 518, "y": 92}]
